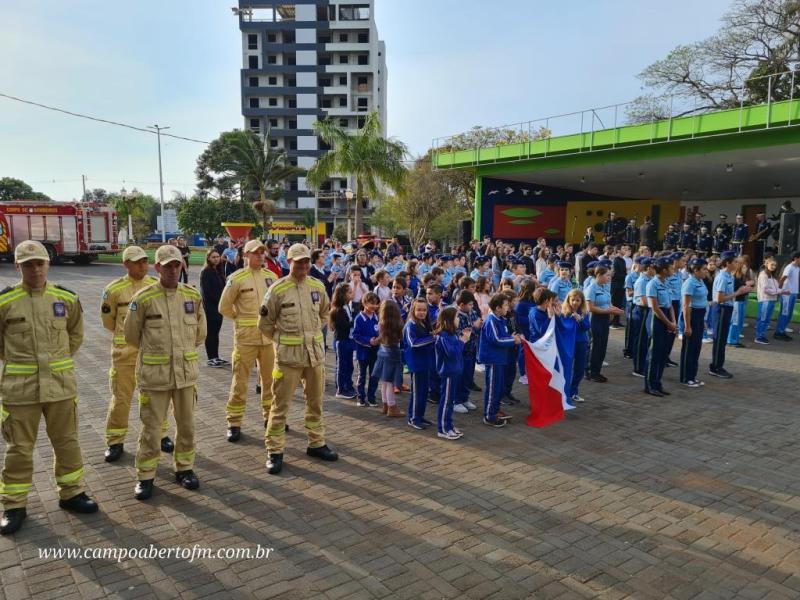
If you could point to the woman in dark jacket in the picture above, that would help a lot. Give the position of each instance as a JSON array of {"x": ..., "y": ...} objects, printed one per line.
[{"x": 212, "y": 280}]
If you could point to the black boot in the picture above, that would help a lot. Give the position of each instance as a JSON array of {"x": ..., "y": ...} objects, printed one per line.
[
  {"x": 167, "y": 445},
  {"x": 187, "y": 479},
  {"x": 234, "y": 434},
  {"x": 113, "y": 452},
  {"x": 144, "y": 489},
  {"x": 258, "y": 388},
  {"x": 12, "y": 520},
  {"x": 323, "y": 452},
  {"x": 274, "y": 463},
  {"x": 79, "y": 504}
]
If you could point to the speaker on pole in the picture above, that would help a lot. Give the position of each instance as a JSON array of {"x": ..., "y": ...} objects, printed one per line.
[
  {"x": 465, "y": 232},
  {"x": 789, "y": 226}
]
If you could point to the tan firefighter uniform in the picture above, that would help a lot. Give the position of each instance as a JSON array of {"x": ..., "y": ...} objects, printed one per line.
[
  {"x": 166, "y": 325},
  {"x": 240, "y": 302},
  {"x": 40, "y": 331},
  {"x": 122, "y": 375},
  {"x": 292, "y": 314}
]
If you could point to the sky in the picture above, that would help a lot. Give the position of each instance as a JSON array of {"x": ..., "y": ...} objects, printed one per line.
[{"x": 452, "y": 64}]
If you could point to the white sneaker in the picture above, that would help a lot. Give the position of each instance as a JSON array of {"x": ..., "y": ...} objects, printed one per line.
[
  {"x": 707, "y": 341},
  {"x": 460, "y": 409},
  {"x": 577, "y": 398},
  {"x": 345, "y": 396},
  {"x": 470, "y": 405},
  {"x": 524, "y": 380},
  {"x": 450, "y": 435},
  {"x": 479, "y": 368},
  {"x": 605, "y": 364},
  {"x": 787, "y": 330},
  {"x": 680, "y": 336}
]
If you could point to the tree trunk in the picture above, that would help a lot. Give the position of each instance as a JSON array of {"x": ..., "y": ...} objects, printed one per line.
[{"x": 359, "y": 224}]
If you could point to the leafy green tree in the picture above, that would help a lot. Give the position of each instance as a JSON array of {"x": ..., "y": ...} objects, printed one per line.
[
  {"x": 16, "y": 189},
  {"x": 98, "y": 195},
  {"x": 366, "y": 155},
  {"x": 206, "y": 216},
  {"x": 306, "y": 219},
  {"x": 142, "y": 208}
]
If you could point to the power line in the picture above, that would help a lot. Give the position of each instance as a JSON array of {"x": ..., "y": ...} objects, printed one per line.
[{"x": 98, "y": 119}]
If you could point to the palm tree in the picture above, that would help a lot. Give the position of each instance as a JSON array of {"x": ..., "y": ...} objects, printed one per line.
[
  {"x": 259, "y": 167},
  {"x": 368, "y": 156}
]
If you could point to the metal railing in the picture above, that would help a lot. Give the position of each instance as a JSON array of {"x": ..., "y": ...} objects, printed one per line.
[{"x": 657, "y": 111}]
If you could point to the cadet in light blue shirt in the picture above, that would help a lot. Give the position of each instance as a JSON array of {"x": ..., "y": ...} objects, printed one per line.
[
  {"x": 694, "y": 294},
  {"x": 598, "y": 299},
  {"x": 562, "y": 284},
  {"x": 640, "y": 338},
  {"x": 630, "y": 279},
  {"x": 662, "y": 327},
  {"x": 723, "y": 293},
  {"x": 549, "y": 273}
]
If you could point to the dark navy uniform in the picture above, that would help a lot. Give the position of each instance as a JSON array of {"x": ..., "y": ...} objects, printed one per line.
[
  {"x": 686, "y": 240},
  {"x": 739, "y": 237},
  {"x": 692, "y": 344},
  {"x": 659, "y": 335},
  {"x": 705, "y": 243},
  {"x": 720, "y": 243},
  {"x": 671, "y": 239},
  {"x": 726, "y": 228},
  {"x": 611, "y": 231},
  {"x": 631, "y": 235}
]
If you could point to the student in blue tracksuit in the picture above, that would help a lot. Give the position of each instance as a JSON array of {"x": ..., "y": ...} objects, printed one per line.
[
  {"x": 674, "y": 283},
  {"x": 510, "y": 374},
  {"x": 465, "y": 321},
  {"x": 641, "y": 313},
  {"x": 562, "y": 284},
  {"x": 521, "y": 310},
  {"x": 630, "y": 280},
  {"x": 400, "y": 296},
  {"x": 493, "y": 354},
  {"x": 574, "y": 309},
  {"x": 449, "y": 349},
  {"x": 598, "y": 301},
  {"x": 433, "y": 294},
  {"x": 724, "y": 294},
  {"x": 540, "y": 315},
  {"x": 695, "y": 305},
  {"x": 418, "y": 349},
  {"x": 341, "y": 323},
  {"x": 365, "y": 336},
  {"x": 662, "y": 327}
]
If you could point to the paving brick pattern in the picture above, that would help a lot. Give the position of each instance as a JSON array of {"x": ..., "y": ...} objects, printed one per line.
[{"x": 691, "y": 496}]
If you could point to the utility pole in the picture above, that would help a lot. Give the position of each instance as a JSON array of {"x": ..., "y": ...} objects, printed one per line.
[
  {"x": 161, "y": 182},
  {"x": 83, "y": 179}
]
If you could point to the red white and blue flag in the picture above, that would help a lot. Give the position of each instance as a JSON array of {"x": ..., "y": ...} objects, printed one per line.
[{"x": 546, "y": 382}]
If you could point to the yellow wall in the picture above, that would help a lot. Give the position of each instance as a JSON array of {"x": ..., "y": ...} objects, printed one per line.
[{"x": 581, "y": 215}]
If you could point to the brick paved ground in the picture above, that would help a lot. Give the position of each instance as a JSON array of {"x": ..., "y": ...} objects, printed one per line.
[{"x": 695, "y": 496}]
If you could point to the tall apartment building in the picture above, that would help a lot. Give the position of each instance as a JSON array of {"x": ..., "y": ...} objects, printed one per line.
[{"x": 303, "y": 61}]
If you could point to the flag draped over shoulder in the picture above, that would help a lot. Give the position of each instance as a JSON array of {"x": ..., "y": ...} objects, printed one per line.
[{"x": 546, "y": 379}]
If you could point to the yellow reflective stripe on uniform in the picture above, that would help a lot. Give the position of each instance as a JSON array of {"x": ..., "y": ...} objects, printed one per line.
[
  {"x": 119, "y": 340},
  {"x": 319, "y": 337},
  {"x": 277, "y": 431},
  {"x": 62, "y": 365},
  {"x": 61, "y": 295},
  {"x": 116, "y": 431},
  {"x": 247, "y": 322},
  {"x": 155, "y": 359},
  {"x": 21, "y": 368},
  {"x": 149, "y": 295},
  {"x": 315, "y": 283},
  {"x": 277, "y": 373},
  {"x": 11, "y": 296},
  {"x": 144, "y": 399},
  {"x": 69, "y": 478},
  {"x": 235, "y": 409},
  {"x": 189, "y": 293},
  {"x": 192, "y": 355},
  {"x": 3, "y": 414},
  {"x": 184, "y": 456},
  {"x": 147, "y": 465},
  {"x": 15, "y": 488},
  {"x": 312, "y": 424},
  {"x": 290, "y": 340}
]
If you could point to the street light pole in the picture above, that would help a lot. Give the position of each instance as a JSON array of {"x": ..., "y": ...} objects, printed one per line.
[
  {"x": 161, "y": 183},
  {"x": 348, "y": 194}
]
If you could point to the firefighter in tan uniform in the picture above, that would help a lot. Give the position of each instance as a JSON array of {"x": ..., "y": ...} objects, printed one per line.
[
  {"x": 41, "y": 329},
  {"x": 122, "y": 376},
  {"x": 166, "y": 323},
  {"x": 292, "y": 315},
  {"x": 240, "y": 302}
]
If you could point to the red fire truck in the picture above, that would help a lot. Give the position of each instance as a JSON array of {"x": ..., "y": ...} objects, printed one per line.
[{"x": 74, "y": 231}]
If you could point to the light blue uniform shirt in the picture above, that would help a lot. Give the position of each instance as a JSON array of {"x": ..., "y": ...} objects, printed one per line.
[
  {"x": 724, "y": 283},
  {"x": 547, "y": 275},
  {"x": 660, "y": 291},
  {"x": 586, "y": 284},
  {"x": 599, "y": 295},
  {"x": 674, "y": 284},
  {"x": 640, "y": 289},
  {"x": 697, "y": 289},
  {"x": 561, "y": 287},
  {"x": 423, "y": 268}
]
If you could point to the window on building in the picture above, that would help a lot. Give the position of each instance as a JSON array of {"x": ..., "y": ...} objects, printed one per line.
[
  {"x": 254, "y": 103},
  {"x": 273, "y": 81},
  {"x": 252, "y": 62},
  {"x": 272, "y": 59},
  {"x": 292, "y": 82},
  {"x": 343, "y": 123},
  {"x": 289, "y": 38},
  {"x": 293, "y": 144},
  {"x": 255, "y": 125},
  {"x": 363, "y": 59},
  {"x": 252, "y": 41},
  {"x": 363, "y": 80},
  {"x": 273, "y": 143},
  {"x": 344, "y": 59},
  {"x": 324, "y": 82},
  {"x": 343, "y": 101},
  {"x": 322, "y": 13},
  {"x": 293, "y": 103},
  {"x": 343, "y": 37},
  {"x": 324, "y": 60},
  {"x": 293, "y": 185},
  {"x": 273, "y": 102},
  {"x": 293, "y": 162},
  {"x": 361, "y": 122},
  {"x": 362, "y": 102},
  {"x": 363, "y": 38},
  {"x": 290, "y": 60},
  {"x": 273, "y": 122},
  {"x": 343, "y": 184},
  {"x": 252, "y": 81},
  {"x": 331, "y": 13},
  {"x": 343, "y": 80},
  {"x": 354, "y": 12},
  {"x": 292, "y": 124},
  {"x": 272, "y": 38},
  {"x": 326, "y": 103}
]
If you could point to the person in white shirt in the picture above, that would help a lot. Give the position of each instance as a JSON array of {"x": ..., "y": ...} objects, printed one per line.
[
  {"x": 768, "y": 291},
  {"x": 790, "y": 281}
]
